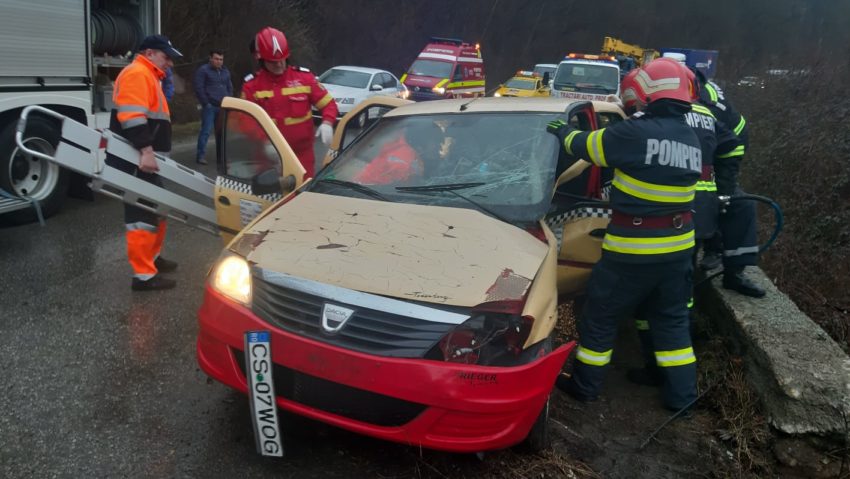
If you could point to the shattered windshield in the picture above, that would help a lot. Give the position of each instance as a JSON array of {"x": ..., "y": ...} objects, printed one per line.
[{"x": 508, "y": 157}]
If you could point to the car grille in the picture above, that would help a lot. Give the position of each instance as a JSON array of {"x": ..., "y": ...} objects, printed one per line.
[
  {"x": 367, "y": 330},
  {"x": 335, "y": 398}
]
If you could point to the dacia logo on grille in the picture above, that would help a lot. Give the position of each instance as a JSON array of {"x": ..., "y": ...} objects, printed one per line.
[{"x": 334, "y": 317}]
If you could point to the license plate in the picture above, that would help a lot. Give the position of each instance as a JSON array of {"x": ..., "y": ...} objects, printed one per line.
[{"x": 258, "y": 361}]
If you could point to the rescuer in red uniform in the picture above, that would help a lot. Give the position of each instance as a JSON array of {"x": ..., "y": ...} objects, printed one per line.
[{"x": 286, "y": 93}]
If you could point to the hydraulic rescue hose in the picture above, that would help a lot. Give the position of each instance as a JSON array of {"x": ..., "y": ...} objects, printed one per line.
[{"x": 779, "y": 222}]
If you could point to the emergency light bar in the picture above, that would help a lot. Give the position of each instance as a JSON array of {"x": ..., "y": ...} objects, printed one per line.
[
  {"x": 526, "y": 73},
  {"x": 582, "y": 56}
]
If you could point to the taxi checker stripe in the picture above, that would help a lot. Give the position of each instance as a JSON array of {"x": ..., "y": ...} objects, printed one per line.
[
  {"x": 241, "y": 187},
  {"x": 651, "y": 191},
  {"x": 593, "y": 358},
  {"x": 324, "y": 101},
  {"x": 677, "y": 357},
  {"x": 294, "y": 90},
  {"x": 594, "y": 147},
  {"x": 651, "y": 86},
  {"x": 660, "y": 245}
]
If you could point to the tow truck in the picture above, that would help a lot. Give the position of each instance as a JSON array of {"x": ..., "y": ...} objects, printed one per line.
[{"x": 587, "y": 77}]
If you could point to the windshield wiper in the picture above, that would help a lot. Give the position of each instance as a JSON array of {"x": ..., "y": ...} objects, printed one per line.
[
  {"x": 450, "y": 188},
  {"x": 354, "y": 186}
]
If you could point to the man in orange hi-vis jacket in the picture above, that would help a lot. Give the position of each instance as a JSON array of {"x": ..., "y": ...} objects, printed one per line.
[
  {"x": 287, "y": 93},
  {"x": 141, "y": 115}
]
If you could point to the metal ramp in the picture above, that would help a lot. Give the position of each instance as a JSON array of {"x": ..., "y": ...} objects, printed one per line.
[{"x": 79, "y": 150}]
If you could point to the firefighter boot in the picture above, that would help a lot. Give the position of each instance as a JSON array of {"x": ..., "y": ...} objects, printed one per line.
[
  {"x": 568, "y": 385},
  {"x": 734, "y": 279},
  {"x": 153, "y": 284},
  {"x": 710, "y": 260},
  {"x": 164, "y": 266}
]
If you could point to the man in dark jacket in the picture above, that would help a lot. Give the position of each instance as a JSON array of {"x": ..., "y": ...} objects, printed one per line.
[{"x": 212, "y": 84}]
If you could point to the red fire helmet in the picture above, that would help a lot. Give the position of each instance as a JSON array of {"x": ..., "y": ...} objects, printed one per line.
[
  {"x": 665, "y": 78},
  {"x": 270, "y": 44}
]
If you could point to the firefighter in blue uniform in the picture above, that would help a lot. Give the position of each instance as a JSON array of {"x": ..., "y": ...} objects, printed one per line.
[
  {"x": 720, "y": 152},
  {"x": 648, "y": 245},
  {"x": 739, "y": 242}
]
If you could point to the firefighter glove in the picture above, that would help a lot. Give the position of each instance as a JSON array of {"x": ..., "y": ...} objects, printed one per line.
[
  {"x": 559, "y": 128},
  {"x": 325, "y": 132}
]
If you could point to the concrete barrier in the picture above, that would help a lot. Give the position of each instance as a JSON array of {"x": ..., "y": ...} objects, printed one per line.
[{"x": 801, "y": 375}]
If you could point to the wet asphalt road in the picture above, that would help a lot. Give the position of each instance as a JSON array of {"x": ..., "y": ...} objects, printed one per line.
[{"x": 100, "y": 381}]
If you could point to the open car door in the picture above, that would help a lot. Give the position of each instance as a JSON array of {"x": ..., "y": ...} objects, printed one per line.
[
  {"x": 579, "y": 215},
  {"x": 258, "y": 166},
  {"x": 348, "y": 129}
]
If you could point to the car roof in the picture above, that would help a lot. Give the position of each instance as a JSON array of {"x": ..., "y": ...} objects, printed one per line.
[
  {"x": 552, "y": 65},
  {"x": 492, "y": 104},
  {"x": 359, "y": 69}
]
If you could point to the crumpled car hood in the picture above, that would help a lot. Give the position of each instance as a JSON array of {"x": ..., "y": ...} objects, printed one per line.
[{"x": 434, "y": 254}]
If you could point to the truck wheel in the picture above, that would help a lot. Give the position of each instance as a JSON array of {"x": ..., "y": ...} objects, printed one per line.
[
  {"x": 538, "y": 438},
  {"x": 25, "y": 175}
]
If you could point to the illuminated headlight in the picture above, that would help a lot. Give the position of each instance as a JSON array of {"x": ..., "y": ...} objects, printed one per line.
[
  {"x": 405, "y": 94},
  {"x": 497, "y": 94},
  {"x": 438, "y": 90},
  {"x": 231, "y": 276},
  {"x": 346, "y": 101}
]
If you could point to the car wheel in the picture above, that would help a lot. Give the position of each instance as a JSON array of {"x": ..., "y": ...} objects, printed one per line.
[
  {"x": 538, "y": 438},
  {"x": 25, "y": 175}
]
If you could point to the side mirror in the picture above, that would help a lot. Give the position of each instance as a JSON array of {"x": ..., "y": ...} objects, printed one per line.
[
  {"x": 573, "y": 171},
  {"x": 376, "y": 87},
  {"x": 546, "y": 78},
  {"x": 267, "y": 183}
]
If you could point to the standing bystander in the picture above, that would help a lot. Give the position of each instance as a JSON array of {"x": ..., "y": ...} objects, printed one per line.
[{"x": 212, "y": 84}]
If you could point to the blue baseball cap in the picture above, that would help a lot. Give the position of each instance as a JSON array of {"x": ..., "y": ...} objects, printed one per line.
[{"x": 160, "y": 42}]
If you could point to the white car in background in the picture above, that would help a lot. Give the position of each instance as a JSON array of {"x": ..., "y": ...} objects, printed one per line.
[{"x": 350, "y": 85}]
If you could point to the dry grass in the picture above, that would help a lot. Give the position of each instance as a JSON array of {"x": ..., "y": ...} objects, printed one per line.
[{"x": 741, "y": 427}]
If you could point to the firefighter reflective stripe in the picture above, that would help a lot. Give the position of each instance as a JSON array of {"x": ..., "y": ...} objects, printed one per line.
[
  {"x": 569, "y": 139},
  {"x": 650, "y": 191},
  {"x": 642, "y": 324},
  {"x": 706, "y": 186},
  {"x": 594, "y": 148},
  {"x": 294, "y": 90},
  {"x": 260, "y": 94},
  {"x": 324, "y": 101},
  {"x": 738, "y": 151},
  {"x": 441, "y": 83},
  {"x": 741, "y": 251},
  {"x": 593, "y": 358},
  {"x": 740, "y": 127},
  {"x": 691, "y": 302},
  {"x": 677, "y": 357},
  {"x": 647, "y": 246},
  {"x": 295, "y": 121},
  {"x": 702, "y": 109},
  {"x": 711, "y": 92}
]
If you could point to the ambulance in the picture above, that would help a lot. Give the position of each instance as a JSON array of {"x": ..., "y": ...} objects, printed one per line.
[
  {"x": 587, "y": 77},
  {"x": 446, "y": 68}
]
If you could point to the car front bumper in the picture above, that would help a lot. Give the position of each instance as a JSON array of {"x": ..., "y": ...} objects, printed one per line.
[{"x": 434, "y": 404}]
